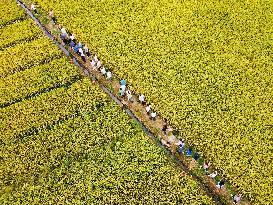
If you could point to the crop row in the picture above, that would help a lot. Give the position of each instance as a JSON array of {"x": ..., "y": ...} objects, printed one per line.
[
  {"x": 47, "y": 108},
  {"x": 204, "y": 66},
  {"x": 34, "y": 80},
  {"x": 10, "y": 12},
  {"x": 97, "y": 157},
  {"x": 25, "y": 29},
  {"x": 27, "y": 54}
]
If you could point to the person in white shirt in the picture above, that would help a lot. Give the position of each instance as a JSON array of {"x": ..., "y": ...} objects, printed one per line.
[
  {"x": 121, "y": 91},
  {"x": 148, "y": 109},
  {"x": 93, "y": 64},
  {"x": 98, "y": 64},
  {"x": 123, "y": 87},
  {"x": 153, "y": 116},
  {"x": 213, "y": 174},
  {"x": 180, "y": 142},
  {"x": 86, "y": 50},
  {"x": 96, "y": 58},
  {"x": 237, "y": 198},
  {"x": 63, "y": 30},
  {"x": 33, "y": 8},
  {"x": 129, "y": 96},
  {"x": 141, "y": 99},
  {"x": 108, "y": 75},
  {"x": 80, "y": 51},
  {"x": 103, "y": 70},
  {"x": 171, "y": 139},
  {"x": 72, "y": 38}
]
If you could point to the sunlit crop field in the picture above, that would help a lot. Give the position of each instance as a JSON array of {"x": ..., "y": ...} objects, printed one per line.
[
  {"x": 63, "y": 141},
  {"x": 206, "y": 66}
]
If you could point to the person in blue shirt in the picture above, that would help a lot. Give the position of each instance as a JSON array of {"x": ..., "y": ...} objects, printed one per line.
[
  {"x": 72, "y": 44},
  {"x": 189, "y": 152},
  {"x": 76, "y": 49},
  {"x": 123, "y": 82}
]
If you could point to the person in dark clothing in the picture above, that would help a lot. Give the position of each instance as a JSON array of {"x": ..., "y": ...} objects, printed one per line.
[
  {"x": 83, "y": 57},
  {"x": 221, "y": 183},
  {"x": 164, "y": 129},
  {"x": 196, "y": 156},
  {"x": 86, "y": 50}
]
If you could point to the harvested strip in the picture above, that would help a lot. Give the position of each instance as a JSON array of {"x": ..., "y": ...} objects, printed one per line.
[
  {"x": 10, "y": 12},
  {"x": 94, "y": 158},
  {"x": 26, "y": 55},
  {"x": 36, "y": 79},
  {"x": 47, "y": 108},
  {"x": 17, "y": 32}
]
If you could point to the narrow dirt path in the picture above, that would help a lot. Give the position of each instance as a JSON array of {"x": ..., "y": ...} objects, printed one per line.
[{"x": 137, "y": 111}]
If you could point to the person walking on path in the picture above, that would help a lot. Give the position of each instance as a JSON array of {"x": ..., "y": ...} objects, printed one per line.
[
  {"x": 86, "y": 50},
  {"x": 63, "y": 30},
  {"x": 153, "y": 116},
  {"x": 196, "y": 156},
  {"x": 123, "y": 82},
  {"x": 72, "y": 38},
  {"x": 102, "y": 70},
  {"x": 98, "y": 64},
  {"x": 76, "y": 49},
  {"x": 51, "y": 15},
  {"x": 206, "y": 167},
  {"x": 83, "y": 57},
  {"x": 221, "y": 183},
  {"x": 80, "y": 51},
  {"x": 148, "y": 109},
  {"x": 189, "y": 152},
  {"x": 65, "y": 40},
  {"x": 129, "y": 96},
  {"x": 170, "y": 140},
  {"x": 237, "y": 198},
  {"x": 164, "y": 129},
  {"x": 33, "y": 8},
  {"x": 96, "y": 58},
  {"x": 213, "y": 174},
  {"x": 108, "y": 75},
  {"x": 181, "y": 146},
  {"x": 72, "y": 44},
  {"x": 141, "y": 99},
  {"x": 93, "y": 64},
  {"x": 121, "y": 92},
  {"x": 123, "y": 87}
]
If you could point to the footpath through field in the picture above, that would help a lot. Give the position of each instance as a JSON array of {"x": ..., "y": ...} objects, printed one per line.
[{"x": 189, "y": 159}]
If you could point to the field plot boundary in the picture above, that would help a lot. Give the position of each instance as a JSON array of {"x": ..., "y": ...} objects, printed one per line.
[{"x": 154, "y": 133}]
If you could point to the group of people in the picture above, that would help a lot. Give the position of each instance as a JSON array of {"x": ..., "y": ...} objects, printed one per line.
[
  {"x": 141, "y": 99},
  {"x": 83, "y": 51},
  {"x": 189, "y": 152}
]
